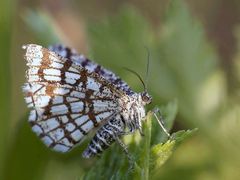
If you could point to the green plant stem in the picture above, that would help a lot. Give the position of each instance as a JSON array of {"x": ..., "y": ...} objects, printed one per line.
[{"x": 147, "y": 145}]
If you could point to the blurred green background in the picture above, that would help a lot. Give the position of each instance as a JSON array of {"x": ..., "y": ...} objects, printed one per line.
[{"x": 195, "y": 59}]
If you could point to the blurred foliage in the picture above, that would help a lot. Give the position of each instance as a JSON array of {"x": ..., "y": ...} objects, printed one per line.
[
  {"x": 183, "y": 66},
  {"x": 44, "y": 29},
  {"x": 236, "y": 65},
  {"x": 181, "y": 58},
  {"x": 5, "y": 46},
  {"x": 33, "y": 155},
  {"x": 186, "y": 59}
]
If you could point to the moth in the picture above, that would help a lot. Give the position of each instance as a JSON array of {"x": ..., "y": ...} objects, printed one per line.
[{"x": 71, "y": 96}]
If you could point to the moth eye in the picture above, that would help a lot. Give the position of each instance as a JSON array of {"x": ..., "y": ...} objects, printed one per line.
[{"x": 145, "y": 98}]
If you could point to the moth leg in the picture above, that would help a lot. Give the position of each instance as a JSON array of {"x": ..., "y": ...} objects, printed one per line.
[
  {"x": 125, "y": 149},
  {"x": 160, "y": 120},
  {"x": 125, "y": 133},
  {"x": 130, "y": 132},
  {"x": 140, "y": 131}
]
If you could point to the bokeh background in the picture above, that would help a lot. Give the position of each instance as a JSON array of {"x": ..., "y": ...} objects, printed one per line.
[{"x": 194, "y": 59}]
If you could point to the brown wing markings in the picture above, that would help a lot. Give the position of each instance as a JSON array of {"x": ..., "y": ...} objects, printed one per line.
[
  {"x": 67, "y": 134},
  {"x": 89, "y": 102},
  {"x": 44, "y": 64},
  {"x": 67, "y": 64}
]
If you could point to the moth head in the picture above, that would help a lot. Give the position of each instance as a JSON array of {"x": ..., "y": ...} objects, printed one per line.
[{"x": 146, "y": 98}]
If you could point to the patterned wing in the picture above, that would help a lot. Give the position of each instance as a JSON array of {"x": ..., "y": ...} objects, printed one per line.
[
  {"x": 91, "y": 66},
  {"x": 67, "y": 100}
]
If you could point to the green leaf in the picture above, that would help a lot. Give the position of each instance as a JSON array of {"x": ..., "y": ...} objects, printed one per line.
[
  {"x": 180, "y": 136},
  {"x": 160, "y": 153}
]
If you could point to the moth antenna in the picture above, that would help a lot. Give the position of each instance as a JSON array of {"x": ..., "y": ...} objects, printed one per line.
[
  {"x": 139, "y": 77},
  {"x": 147, "y": 72},
  {"x": 148, "y": 64}
]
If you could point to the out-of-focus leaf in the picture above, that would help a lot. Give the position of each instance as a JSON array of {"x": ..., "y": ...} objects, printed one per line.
[
  {"x": 185, "y": 60},
  {"x": 27, "y": 157},
  {"x": 6, "y": 13},
  {"x": 236, "y": 65},
  {"x": 42, "y": 26},
  {"x": 122, "y": 39}
]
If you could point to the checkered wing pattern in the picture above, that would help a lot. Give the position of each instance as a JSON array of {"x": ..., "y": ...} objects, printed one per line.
[
  {"x": 91, "y": 66},
  {"x": 67, "y": 100}
]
